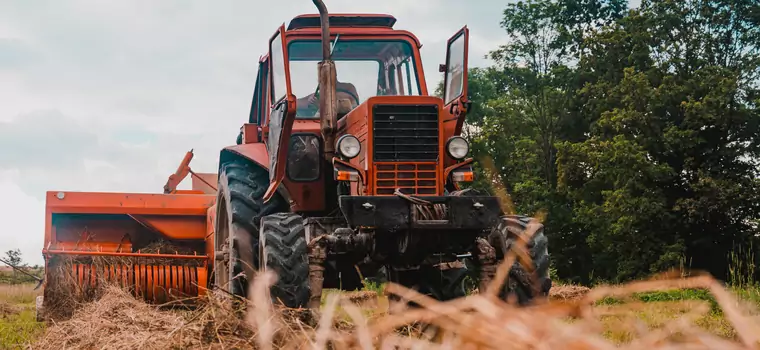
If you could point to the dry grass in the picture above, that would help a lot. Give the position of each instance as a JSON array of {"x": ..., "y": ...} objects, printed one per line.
[
  {"x": 117, "y": 320},
  {"x": 7, "y": 310},
  {"x": 572, "y": 319},
  {"x": 568, "y": 292},
  {"x": 18, "y": 293}
]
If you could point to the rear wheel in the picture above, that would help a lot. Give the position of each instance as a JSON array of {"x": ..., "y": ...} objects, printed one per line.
[
  {"x": 283, "y": 251},
  {"x": 525, "y": 286},
  {"x": 240, "y": 206}
]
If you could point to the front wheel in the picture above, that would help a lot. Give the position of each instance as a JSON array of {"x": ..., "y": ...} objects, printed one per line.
[
  {"x": 240, "y": 205},
  {"x": 283, "y": 250},
  {"x": 526, "y": 286}
]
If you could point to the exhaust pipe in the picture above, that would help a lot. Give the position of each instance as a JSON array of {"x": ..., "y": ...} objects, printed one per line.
[
  {"x": 328, "y": 103},
  {"x": 324, "y": 21}
]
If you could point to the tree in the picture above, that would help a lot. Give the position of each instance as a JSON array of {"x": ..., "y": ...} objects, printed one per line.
[
  {"x": 635, "y": 130},
  {"x": 13, "y": 257},
  {"x": 524, "y": 105},
  {"x": 669, "y": 168}
]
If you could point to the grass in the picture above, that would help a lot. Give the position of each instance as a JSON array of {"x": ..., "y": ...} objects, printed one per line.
[
  {"x": 650, "y": 310},
  {"x": 18, "y": 327},
  {"x": 653, "y": 309},
  {"x": 621, "y": 319}
]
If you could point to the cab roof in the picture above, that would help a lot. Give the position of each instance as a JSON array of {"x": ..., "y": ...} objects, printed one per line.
[{"x": 344, "y": 20}]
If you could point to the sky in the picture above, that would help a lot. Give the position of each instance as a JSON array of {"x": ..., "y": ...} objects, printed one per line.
[{"x": 109, "y": 95}]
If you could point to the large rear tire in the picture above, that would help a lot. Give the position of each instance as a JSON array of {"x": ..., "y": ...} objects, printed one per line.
[
  {"x": 283, "y": 250},
  {"x": 521, "y": 283},
  {"x": 240, "y": 206}
]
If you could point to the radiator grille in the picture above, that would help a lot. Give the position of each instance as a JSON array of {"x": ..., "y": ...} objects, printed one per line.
[
  {"x": 404, "y": 133},
  {"x": 412, "y": 179}
]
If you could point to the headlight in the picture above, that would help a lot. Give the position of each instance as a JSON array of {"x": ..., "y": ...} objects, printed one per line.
[
  {"x": 457, "y": 147},
  {"x": 349, "y": 146}
]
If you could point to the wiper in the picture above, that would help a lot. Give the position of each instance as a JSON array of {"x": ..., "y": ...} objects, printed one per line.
[{"x": 332, "y": 48}]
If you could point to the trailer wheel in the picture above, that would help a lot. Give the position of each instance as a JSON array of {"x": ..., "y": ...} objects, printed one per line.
[
  {"x": 283, "y": 251},
  {"x": 525, "y": 286},
  {"x": 239, "y": 209}
]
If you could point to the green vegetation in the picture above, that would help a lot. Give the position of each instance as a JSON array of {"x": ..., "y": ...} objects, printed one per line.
[
  {"x": 18, "y": 325},
  {"x": 634, "y": 130},
  {"x": 14, "y": 258}
]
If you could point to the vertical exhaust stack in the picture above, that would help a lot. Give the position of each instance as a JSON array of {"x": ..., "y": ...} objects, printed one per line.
[{"x": 328, "y": 103}]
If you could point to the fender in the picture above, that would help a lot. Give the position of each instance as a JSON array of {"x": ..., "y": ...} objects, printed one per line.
[{"x": 255, "y": 152}]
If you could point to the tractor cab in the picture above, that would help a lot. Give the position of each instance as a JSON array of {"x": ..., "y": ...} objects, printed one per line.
[
  {"x": 371, "y": 59},
  {"x": 385, "y": 120}
]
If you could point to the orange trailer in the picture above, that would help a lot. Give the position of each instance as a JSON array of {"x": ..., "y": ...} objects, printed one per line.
[{"x": 163, "y": 243}]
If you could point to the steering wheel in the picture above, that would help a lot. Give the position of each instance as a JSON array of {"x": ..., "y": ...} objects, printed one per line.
[{"x": 309, "y": 110}]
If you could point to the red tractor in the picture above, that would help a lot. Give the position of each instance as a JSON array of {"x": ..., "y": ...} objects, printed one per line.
[
  {"x": 338, "y": 174},
  {"x": 357, "y": 169}
]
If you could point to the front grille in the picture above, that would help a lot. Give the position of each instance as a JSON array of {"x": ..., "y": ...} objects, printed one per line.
[
  {"x": 412, "y": 179},
  {"x": 404, "y": 133}
]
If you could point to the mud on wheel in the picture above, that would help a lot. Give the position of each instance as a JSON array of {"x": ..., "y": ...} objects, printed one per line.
[
  {"x": 523, "y": 284},
  {"x": 240, "y": 206},
  {"x": 283, "y": 250}
]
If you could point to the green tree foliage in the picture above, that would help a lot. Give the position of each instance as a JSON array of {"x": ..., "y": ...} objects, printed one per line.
[
  {"x": 637, "y": 131},
  {"x": 13, "y": 257}
]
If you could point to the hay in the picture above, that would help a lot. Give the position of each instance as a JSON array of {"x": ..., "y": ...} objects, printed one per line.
[
  {"x": 167, "y": 247},
  {"x": 568, "y": 292},
  {"x": 7, "y": 310},
  {"x": 119, "y": 321},
  {"x": 360, "y": 297},
  {"x": 477, "y": 321},
  {"x": 63, "y": 294}
]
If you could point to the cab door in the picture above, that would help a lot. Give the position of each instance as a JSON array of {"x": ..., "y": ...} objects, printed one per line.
[
  {"x": 455, "y": 78},
  {"x": 283, "y": 111}
]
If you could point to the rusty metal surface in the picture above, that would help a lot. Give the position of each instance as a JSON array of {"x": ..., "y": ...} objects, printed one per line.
[
  {"x": 328, "y": 105},
  {"x": 324, "y": 20},
  {"x": 156, "y": 283},
  {"x": 122, "y": 254},
  {"x": 486, "y": 257},
  {"x": 317, "y": 256}
]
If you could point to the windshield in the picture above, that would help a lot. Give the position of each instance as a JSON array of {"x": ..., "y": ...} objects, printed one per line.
[{"x": 365, "y": 68}]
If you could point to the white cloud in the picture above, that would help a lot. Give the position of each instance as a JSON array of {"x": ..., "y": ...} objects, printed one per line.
[{"x": 23, "y": 219}]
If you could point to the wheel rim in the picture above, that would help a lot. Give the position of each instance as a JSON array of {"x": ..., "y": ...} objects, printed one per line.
[
  {"x": 262, "y": 253},
  {"x": 222, "y": 243}
]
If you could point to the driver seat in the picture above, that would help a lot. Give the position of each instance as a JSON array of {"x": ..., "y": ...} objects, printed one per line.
[{"x": 348, "y": 91}]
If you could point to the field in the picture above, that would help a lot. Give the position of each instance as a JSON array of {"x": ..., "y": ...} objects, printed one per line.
[
  {"x": 17, "y": 316},
  {"x": 617, "y": 316}
]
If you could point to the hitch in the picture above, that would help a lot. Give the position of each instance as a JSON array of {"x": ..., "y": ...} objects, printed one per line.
[{"x": 317, "y": 256}]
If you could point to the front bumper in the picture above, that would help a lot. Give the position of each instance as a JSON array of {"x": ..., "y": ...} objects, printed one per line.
[{"x": 394, "y": 213}]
